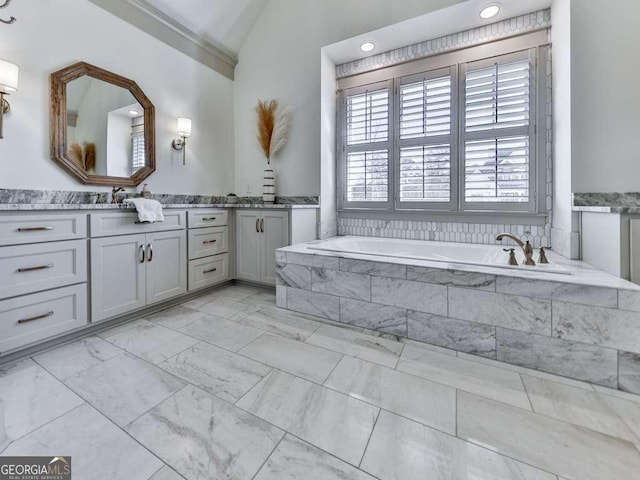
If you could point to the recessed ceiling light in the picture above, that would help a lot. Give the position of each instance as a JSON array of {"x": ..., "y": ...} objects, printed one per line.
[
  {"x": 490, "y": 11},
  {"x": 367, "y": 46},
  {"x": 134, "y": 112}
]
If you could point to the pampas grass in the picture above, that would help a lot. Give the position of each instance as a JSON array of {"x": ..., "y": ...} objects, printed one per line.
[
  {"x": 84, "y": 155},
  {"x": 266, "y": 120},
  {"x": 89, "y": 156},
  {"x": 281, "y": 129},
  {"x": 76, "y": 154},
  {"x": 274, "y": 125}
]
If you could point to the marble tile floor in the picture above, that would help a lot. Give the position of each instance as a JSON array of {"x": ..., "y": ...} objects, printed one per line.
[{"x": 227, "y": 386}]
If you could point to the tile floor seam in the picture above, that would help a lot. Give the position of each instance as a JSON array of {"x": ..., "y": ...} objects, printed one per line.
[
  {"x": 383, "y": 409},
  {"x": 293, "y": 435},
  {"x": 284, "y": 435},
  {"x": 373, "y": 428},
  {"x": 524, "y": 385},
  {"x": 326, "y": 379},
  {"x": 182, "y": 381},
  {"x": 479, "y": 444},
  {"x": 45, "y": 424},
  {"x": 600, "y": 396}
]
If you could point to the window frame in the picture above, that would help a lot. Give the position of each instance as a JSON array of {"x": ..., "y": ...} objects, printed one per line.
[
  {"x": 345, "y": 149},
  {"x": 399, "y": 143},
  {"x": 531, "y": 130},
  {"x": 535, "y": 45}
]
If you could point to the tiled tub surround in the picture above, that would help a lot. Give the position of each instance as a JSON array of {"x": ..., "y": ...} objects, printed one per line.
[{"x": 584, "y": 326}]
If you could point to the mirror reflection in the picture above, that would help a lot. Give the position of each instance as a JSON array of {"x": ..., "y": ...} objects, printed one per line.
[{"x": 105, "y": 128}]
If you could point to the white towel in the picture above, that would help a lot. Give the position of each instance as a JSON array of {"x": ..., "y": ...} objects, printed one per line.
[{"x": 148, "y": 210}]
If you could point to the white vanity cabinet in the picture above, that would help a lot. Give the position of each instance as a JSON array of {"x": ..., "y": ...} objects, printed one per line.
[
  {"x": 131, "y": 271},
  {"x": 259, "y": 233},
  {"x": 43, "y": 275},
  {"x": 209, "y": 232}
]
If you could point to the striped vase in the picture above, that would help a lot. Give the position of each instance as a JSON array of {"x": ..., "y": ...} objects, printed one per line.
[{"x": 269, "y": 186}]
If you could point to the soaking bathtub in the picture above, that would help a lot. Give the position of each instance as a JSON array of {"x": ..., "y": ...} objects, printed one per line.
[{"x": 447, "y": 252}]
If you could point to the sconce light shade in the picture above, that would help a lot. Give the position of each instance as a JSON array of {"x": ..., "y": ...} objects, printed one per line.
[
  {"x": 184, "y": 127},
  {"x": 184, "y": 131},
  {"x": 8, "y": 76}
]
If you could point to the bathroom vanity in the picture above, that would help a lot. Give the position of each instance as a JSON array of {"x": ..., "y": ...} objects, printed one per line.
[{"x": 74, "y": 267}]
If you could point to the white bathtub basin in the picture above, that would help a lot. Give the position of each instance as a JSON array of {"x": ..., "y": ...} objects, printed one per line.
[{"x": 463, "y": 253}]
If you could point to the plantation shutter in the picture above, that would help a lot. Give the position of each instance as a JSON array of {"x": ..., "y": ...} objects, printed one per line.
[
  {"x": 426, "y": 139},
  {"x": 367, "y": 145},
  {"x": 138, "y": 156},
  {"x": 497, "y": 133}
]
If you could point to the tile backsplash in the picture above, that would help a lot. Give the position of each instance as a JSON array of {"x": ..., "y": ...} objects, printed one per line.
[{"x": 539, "y": 235}]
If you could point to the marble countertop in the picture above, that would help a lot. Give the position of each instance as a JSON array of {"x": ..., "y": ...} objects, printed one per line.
[
  {"x": 620, "y": 203},
  {"x": 608, "y": 209},
  {"x": 120, "y": 206},
  {"x": 581, "y": 273}
]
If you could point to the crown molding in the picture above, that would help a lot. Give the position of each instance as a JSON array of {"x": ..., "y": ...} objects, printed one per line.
[{"x": 161, "y": 26}]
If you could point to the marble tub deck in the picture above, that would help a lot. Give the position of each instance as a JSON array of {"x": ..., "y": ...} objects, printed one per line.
[{"x": 227, "y": 386}]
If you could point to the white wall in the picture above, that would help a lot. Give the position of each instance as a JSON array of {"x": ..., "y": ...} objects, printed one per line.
[
  {"x": 605, "y": 65},
  {"x": 281, "y": 60},
  {"x": 564, "y": 236},
  {"x": 52, "y": 34}
]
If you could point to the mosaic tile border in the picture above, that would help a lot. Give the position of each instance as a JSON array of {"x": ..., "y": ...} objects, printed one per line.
[{"x": 487, "y": 33}]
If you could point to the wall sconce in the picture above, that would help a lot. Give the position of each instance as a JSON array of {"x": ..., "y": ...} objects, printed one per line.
[
  {"x": 184, "y": 131},
  {"x": 8, "y": 83}
]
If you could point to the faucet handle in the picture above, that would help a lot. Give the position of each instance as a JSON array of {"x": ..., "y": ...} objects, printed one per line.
[
  {"x": 543, "y": 255},
  {"x": 512, "y": 256}
]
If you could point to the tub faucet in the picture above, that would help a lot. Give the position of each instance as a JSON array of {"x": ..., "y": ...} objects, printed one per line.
[{"x": 526, "y": 247}]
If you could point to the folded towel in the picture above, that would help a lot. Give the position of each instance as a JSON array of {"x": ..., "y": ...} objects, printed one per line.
[{"x": 149, "y": 211}]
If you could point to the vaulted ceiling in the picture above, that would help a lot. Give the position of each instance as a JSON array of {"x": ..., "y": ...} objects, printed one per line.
[{"x": 223, "y": 23}]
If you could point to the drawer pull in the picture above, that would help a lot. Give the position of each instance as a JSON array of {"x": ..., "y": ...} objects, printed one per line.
[
  {"x": 206, "y": 242},
  {"x": 31, "y": 269},
  {"x": 210, "y": 271},
  {"x": 34, "y": 229},
  {"x": 33, "y": 319},
  {"x": 209, "y": 219}
]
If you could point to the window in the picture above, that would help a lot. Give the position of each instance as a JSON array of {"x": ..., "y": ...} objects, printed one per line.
[
  {"x": 497, "y": 137},
  {"x": 455, "y": 138},
  {"x": 138, "y": 155},
  {"x": 367, "y": 145},
  {"x": 426, "y": 140}
]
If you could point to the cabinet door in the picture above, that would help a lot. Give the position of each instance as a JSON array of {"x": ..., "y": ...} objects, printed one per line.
[
  {"x": 274, "y": 228},
  {"x": 118, "y": 283},
  {"x": 166, "y": 257},
  {"x": 247, "y": 245}
]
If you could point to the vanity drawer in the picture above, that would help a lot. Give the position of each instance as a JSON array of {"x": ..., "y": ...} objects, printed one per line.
[
  {"x": 39, "y": 316},
  {"x": 208, "y": 218},
  {"x": 22, "y": 229},
  {"x": 208, "y": 271},
  {"x": 204, "y": 242},
  {"x": 31, "y": 268},
  {"x": 125, "y": 223}
]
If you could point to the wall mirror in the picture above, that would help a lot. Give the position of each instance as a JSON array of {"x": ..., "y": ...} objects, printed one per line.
[{"x": 102, "y": 126}]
